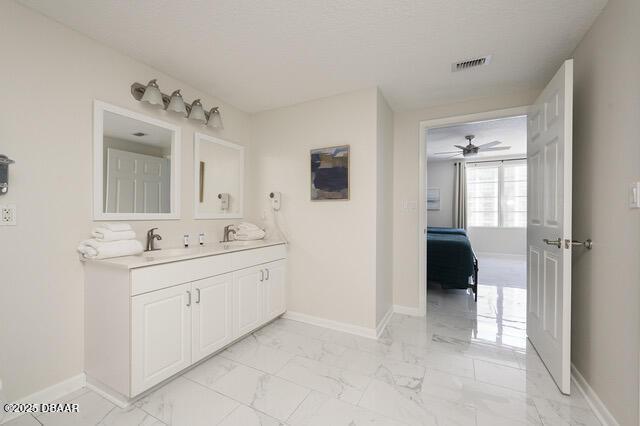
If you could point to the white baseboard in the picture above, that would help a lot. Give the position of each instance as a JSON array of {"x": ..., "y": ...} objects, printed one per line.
[
  {"x": 383, "y": 323},
  {"x": 596, "y": 404},
  {"x": 408, "y": 310},
  {"x": 49, "y": 394},
  {"x": 108, "y": 394},
  {"x": 370, "y": 333}
]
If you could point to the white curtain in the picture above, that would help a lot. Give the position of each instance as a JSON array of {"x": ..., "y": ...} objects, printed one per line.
[{"x": 459, "y": 196}]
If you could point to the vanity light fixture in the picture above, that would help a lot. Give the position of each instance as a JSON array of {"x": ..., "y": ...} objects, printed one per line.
[
  {"x": 175, "y": 103},
  {"x": 215, "y": 120},
  {"x": 197, "y": 112},
  {"x": 152, "y": 94}
]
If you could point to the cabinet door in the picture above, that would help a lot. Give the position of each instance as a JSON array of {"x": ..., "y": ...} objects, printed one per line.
[
  {"x": 247, "y": 286},
  {"x": 274, "y": 289},
  {"x": 160, "y": 335},
  {"x": 212, "y": 314}
]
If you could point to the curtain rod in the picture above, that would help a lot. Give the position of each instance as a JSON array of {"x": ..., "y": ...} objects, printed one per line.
[{"x": 496, "y": 161}]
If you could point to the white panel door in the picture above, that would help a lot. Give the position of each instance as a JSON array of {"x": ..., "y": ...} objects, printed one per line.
[
  {"x": 274, "y": 289},
  {"x": 137, "y": 183},
  {"x": 549, "y": 152},
  {"x": 160, "y": 335},
  {"x": 212, "y": 315},
  {"x": 248, "y": 299}
]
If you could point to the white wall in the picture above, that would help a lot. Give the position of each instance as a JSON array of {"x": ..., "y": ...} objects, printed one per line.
[
  {"x": 606, "y": 153},
  {"x": 498, "y": 240},
  {"x": 406, "y": 179},
  {"x": 332, "y": 251},
  {"x": 384, "y": 210},
  {"x": 440, "y": 175},
  {"x": 49, "y": 77}
]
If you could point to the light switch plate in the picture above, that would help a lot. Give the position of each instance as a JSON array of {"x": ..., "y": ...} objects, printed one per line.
[
  {"x": 8, "y": 215},
  {"x": 634, "y": 195}
]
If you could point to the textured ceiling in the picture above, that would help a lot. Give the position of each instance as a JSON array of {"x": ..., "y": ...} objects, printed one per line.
[
  {"x": 263, "y": 54},
  {"x": 510, "y": 131}
]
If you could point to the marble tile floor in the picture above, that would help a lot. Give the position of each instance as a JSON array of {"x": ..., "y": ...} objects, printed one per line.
[{"x": 462, "y": 364}]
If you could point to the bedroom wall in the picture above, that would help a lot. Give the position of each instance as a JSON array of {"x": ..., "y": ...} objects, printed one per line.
[
  {"x": 440, "y": 175},
  {"x": 406, "y": 179},
  {"x": 499, "y": 240},
  {"x": 48, "y": 83},
  {"x": 606, "y": 289}
]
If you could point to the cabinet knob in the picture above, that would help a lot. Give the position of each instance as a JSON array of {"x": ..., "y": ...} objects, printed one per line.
[
  {"x": 261, "y": 275},
  {"x": 197, "y": 295},
  {"x": 188, "y": 298},
  {"x": 267, "y": 273}
]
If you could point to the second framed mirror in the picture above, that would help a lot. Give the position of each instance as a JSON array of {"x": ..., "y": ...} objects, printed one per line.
[{"x": 219, "y": 178}]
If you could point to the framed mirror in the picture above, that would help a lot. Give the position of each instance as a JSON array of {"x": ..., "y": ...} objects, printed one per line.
[
  {"x": 219, "y": 178},
  {"x": 136, "y": 166}
]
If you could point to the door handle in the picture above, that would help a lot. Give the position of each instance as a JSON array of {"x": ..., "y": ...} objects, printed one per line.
[
  {"x": 188, "y": 298},
  {"x": 267, "y": 273},
  {"x": 557, "y": 243},
  {"x": 588, "y": 244},
  {"x": 197, "y": 295},
  {"x": 261, "y": 275}
]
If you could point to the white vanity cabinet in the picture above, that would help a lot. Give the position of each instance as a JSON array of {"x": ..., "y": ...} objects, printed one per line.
[
  {"x": 160, "y": 336},
  {"x": 259, "y": 295},
  {"x": 212, "y": 318},
  {"x": 145, "y": 323}
]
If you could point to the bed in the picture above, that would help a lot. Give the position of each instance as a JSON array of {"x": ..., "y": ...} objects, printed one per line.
[{"x": 451, "y": 260}]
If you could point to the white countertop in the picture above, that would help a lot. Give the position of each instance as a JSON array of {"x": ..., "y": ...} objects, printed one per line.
[{"x": 168, "y": 255}]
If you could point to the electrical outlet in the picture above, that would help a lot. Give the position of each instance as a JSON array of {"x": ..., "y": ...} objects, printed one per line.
[{"x": 8, "y": 215}]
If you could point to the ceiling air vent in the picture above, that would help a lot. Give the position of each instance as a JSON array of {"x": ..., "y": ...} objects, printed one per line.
[{"x": 471, "y": 63}]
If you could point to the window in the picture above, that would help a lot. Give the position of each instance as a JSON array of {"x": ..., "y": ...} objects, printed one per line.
[{"x": 497, "y": 194}]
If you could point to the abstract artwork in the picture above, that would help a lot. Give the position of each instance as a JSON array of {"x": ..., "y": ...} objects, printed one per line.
[{"x": 330, "y": 173}]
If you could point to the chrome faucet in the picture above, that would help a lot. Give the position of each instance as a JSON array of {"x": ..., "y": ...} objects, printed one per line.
[
  {"x": 151, "y": 238},
  {"x": 227, "y": 231}
]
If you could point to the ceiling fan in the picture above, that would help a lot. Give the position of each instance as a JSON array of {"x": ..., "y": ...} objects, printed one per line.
[{"x": 470, "y": 149}]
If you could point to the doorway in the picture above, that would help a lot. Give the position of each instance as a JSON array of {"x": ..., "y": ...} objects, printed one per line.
[{"x": 476, "y": 215}]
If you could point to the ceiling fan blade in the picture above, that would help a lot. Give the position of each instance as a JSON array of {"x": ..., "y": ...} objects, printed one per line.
[
  {"x": 461, "y": 147},
  {"x": 489, "y": 144},
  {"x": 454, "y": 155},
  {"x": 447, "y": 152},
  {"x": 500, "y": 148}
]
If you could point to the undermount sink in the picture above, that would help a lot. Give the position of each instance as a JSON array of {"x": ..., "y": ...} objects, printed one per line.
[
  {"x": 162, "y": 253},
  {"x": 236, "y": 243}
]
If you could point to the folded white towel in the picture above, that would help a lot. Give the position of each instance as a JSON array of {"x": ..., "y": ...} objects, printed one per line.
[
  {"x": 117, "y": 227},
  {"x": 250, "y": 235},
  {"x": 105, "y": 234},
  {"x": 93, "y": 249},
  {"x": 246, "y": 226}
]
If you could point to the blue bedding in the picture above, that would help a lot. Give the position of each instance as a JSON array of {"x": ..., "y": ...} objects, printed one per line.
[
  {"x": 442, "y": 230},
  {"x": 451, "y": 261}
]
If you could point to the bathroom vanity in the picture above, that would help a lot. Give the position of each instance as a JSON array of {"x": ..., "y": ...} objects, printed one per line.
[{"x": 149, "y": 317}]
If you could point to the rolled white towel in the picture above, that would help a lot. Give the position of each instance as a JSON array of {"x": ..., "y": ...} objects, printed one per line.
[
  {"x": 115, "y": 227},
  {"x": 250, "y": 235},
  {"x": 105, "y": 234},
  {"x": 93, "y": 249}
]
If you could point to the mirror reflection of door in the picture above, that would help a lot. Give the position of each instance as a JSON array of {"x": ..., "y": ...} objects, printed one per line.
[
  {"x": 137, "y": 183},
  {"x": 137, "y": 166}
]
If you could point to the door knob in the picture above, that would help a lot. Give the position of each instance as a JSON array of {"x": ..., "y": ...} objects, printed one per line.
[{"x": 557, "y": 243}]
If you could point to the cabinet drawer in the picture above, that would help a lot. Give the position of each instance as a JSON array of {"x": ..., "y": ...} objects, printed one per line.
[
  {"x": 248, "y": 258},
  {"x": 155, "y": 277}
]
